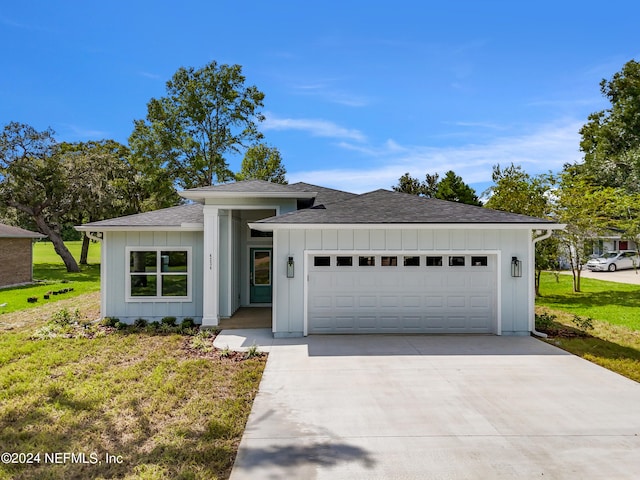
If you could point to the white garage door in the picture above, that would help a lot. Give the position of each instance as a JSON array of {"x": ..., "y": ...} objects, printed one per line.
[{"x": 402, "y": 293}]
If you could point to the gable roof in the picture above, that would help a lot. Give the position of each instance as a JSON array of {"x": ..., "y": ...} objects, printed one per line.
[
  {"x": 328, "y": 206},
  {"x": 7, "y": 231},
  {"x": 166, "y": 217},
  {"x": 247, "y": 188},
  {"x": 387, "y": 207}
]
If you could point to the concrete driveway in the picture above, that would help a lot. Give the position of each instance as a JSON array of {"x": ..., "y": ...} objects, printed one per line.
[
  {"x": 441, "y": 407},
  {"x": 631, "y": 276}
]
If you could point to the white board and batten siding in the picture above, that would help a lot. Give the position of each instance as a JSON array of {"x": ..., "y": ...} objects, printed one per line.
[
  {"x": 400, "y": 299},
  {"x": 116, "y": 304}
]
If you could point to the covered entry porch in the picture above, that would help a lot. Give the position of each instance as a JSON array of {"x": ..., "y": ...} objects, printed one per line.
[{"x": 248, "y": 317}]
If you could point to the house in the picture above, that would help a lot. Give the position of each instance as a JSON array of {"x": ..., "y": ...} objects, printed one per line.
[
  {"x": 325, "y": 261},
  {"x": 610, "y": 242},
  {"x": 16, "y": 255}
]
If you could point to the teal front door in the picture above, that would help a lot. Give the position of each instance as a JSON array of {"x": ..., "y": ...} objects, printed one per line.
[{"x": 260, "y": 275}]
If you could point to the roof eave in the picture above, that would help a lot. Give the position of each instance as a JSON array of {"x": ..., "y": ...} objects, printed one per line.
[
  {"x": 185, "y": 227},
  {"x": 201, "y": 196},
  {"x": 268, "y": 227}
]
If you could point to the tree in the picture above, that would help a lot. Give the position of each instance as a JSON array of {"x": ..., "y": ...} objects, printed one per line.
[
  {"x": 516, "y": 191},
  {"x": 611, "y": 138},
  {"x": 33, "y": 180},
  {"x": 206, "y": 114},
  {"x": 101, "y": 182},
  {"x": 410, "y": 185},
  {"x": 451, "y": 188},
  {"x": 589, "y": 210},
  {"x": 262, "y": 163}
]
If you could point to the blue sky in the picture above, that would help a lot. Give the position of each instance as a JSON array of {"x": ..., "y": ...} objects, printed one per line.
[{"x": 357, "y": 92}]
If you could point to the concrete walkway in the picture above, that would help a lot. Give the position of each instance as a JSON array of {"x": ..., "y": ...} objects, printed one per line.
[{"x": 445, "y": 407}]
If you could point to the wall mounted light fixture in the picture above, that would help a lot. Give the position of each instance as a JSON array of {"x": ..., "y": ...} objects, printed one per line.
[
  {"x": 290, "y": 267},
  {"x": 516, "y": 267}
]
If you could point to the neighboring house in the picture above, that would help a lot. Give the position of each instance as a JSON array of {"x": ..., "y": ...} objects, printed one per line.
[
  {"x": 16, "y": 255},
  {"x": 326, "y": 261},
  {"x": 612, "y": 242}
]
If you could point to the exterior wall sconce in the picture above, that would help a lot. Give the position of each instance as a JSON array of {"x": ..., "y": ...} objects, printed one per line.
[
  {"x": 516, "y": 267},
  {"x": 290, "y": 267}
]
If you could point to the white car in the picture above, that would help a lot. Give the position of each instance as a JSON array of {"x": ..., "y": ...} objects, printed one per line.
[{"x": 613, "y": 261}]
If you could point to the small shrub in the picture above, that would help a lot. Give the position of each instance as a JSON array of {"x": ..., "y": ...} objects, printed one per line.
[
  {"x": 252, "y": 351},
  {"x": 32, "y": 299},
  {"x": 109, "y": 321},
  {"x": 121, "y": 325},
  {"x": 545, "y": 321},
  {"x": 46, "y": 332},
  {"x": 583, "y": 323},
  {"x": 201, "y": 343},
  {"x": 225, "y": 352},
  {"x": 169, "y": 321},
  {"x": 140, "y": 323},
  {"x": 207, "y": 332},
  {"x": 64, "y": 317},
  {"x": 46, "y": 296},
  {"x": 188, "y": 323}
]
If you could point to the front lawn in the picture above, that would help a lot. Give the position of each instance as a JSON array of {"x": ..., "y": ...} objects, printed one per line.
[
  {"x": 158, "y": 408},
  {"x": 51, "y": 276},
  {"x": 615, "y": 303},
  {"x": 610, "y": 308}
]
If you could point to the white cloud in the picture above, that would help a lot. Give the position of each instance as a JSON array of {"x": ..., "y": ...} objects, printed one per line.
[
  {"x": 546, "y": 148},
  {"x": 315, "y": 127},
  {"x": 82, "y": 133}
]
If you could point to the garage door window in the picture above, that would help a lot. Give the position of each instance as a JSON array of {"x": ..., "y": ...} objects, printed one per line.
[
  {"x": 411, "y": 261},
  {"x": 434, "y": 261},
  {"x": 367, "y": 261},
  {"x": 321, "y": 261},
  {"x": 344, "y": 261},
  {"x": 479, "y": 261},
  {"x": 456, "y": 261},
  {"x": 389, "y": 261}
]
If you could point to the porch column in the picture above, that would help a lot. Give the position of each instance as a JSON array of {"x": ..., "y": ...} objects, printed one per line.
[{"x": 211, "y": 266}]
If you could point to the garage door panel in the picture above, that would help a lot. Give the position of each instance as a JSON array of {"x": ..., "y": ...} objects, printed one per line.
[
  {"x": 365, "y": 301},
  {"x": 323, "y": 301},
  {"x": 456, "y": 301},
  {"x": 456, "y": 322},
  {"x": 402, "y": 299},
  {"x": 412, "y": 301},
  {"x": 345, "y": 322},
  {"x": 433, "y": 301},
  {"x": 456, "y": 280},
  {"x": 345, "y": 302},
  {"x": 479, "y": 301},
  {"x": 389, "y": 301},
  {"x": 365, "y": 322},
  {"x": 412, "y": 322}
]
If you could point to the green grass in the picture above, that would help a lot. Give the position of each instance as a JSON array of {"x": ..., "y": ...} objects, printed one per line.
[
  {"x": 614, "y": 341},
  {"x": 167, "y": 411},
  {"x": 51, "y": 275},
  {"x": 615, "y": 303}
]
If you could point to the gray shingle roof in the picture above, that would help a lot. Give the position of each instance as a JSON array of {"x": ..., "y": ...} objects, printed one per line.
[
  {"x": 7, "y": 231},
  {"x": 166, "y": 217},
  {"x": 383, "y": 206},
  {"x": 337, "y": 207},
  {"x": 246, "y": 186},
  {"x": 325, "y": 195}
]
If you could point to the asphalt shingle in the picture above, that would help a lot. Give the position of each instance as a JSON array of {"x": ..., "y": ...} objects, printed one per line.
[
  {"x": 384, "y": 206},
  {"x": 7, "y": 231}
]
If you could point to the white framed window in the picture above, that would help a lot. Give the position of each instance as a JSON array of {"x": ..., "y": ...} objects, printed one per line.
[{"x": 158, "y": 274}]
